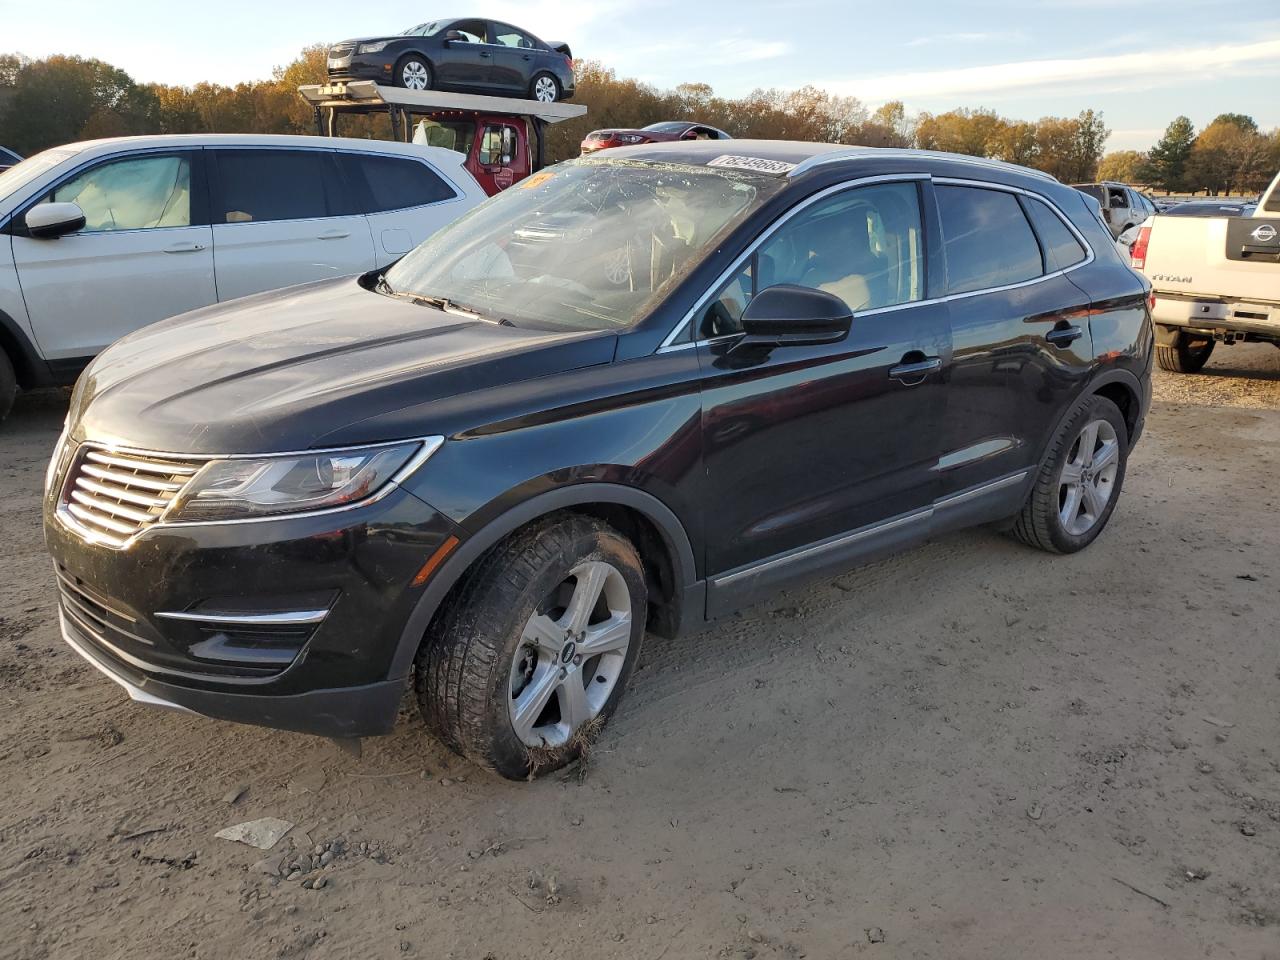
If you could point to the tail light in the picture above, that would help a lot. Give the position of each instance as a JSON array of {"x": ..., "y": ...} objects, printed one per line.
[
  {"x": 568, "y": 60},
  {"x": 1138, "y": 252},
  {"x": 1151, "y": 299}
]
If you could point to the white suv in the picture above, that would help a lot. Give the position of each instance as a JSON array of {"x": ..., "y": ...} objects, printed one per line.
[{"x": 100, "y": 238}]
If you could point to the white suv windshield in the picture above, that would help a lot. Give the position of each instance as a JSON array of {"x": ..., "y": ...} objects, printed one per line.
[
  {"x": 20, "y": 174},
  {"x": 589, "y": 244}
]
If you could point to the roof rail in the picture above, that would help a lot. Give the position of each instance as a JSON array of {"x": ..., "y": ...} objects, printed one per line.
[{"x": 849, "y": 153}]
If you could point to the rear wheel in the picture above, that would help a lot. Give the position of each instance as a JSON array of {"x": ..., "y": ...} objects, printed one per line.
[
  {"x": 545, "y": 88},
  {"x": 413, "y": 73},
  {"x": 1079, "y": 483},
  {"x": 1186, "y": 354},
  {"x": 532, "y": 653}
]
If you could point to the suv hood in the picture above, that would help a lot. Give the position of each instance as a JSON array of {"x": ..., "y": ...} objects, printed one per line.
[{"x": 302, "y": 367}]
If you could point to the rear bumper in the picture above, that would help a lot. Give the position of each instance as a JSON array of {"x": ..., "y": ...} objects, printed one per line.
[
  {"x": 1211, "y": 314},
  {"x": 363, "y": 711}
]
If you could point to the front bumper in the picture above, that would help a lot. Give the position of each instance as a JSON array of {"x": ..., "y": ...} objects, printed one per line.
[
  {"x": 368, "y": 66},
  {"x": 363, "y": 711},
  {"x": 226, "y": 649}
]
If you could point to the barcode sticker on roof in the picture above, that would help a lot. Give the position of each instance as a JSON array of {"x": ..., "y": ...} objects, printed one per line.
[{"x": 758, "y": 164}]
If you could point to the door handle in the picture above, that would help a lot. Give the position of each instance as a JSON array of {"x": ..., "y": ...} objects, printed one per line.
[
  {"x": 914, "y": 372},
  {"x": 1064, "y": 336},
  {"x": 485, "y": 55},
  {"x": 334, "y": 235},
  {"x": 185, "y": 248},
  {"x": 528, "y": 57}
]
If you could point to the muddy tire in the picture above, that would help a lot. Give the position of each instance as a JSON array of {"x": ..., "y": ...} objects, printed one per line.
[
  {"x": 533, "y": 649},
  {"x": 1184, "y": 355},
  {"x": 1079, "y": 482}
]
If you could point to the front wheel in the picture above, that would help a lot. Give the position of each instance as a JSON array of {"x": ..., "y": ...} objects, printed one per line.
[
  {"x": 545, "y": 88},
  {"x": 1079, "y": 482},
  {"x": 413, "y": 73},
  {"x": 1185, "y": 354},
  {"x": 532, "y": 652}
]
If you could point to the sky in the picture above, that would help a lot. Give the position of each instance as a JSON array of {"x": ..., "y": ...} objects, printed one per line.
[{"x": 1140, "y": 62}]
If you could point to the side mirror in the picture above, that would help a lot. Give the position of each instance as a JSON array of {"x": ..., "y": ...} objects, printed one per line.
[
  {"x": 787, "y": 315},
  {"x": 453, "y": 36},
  {"x": 45, "y": 221}
]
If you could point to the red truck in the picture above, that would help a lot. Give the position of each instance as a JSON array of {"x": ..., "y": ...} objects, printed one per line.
[{"x": 501, "y": 137}]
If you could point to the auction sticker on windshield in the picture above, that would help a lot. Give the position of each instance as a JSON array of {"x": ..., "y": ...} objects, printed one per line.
[{"x": 758, "y": 164}]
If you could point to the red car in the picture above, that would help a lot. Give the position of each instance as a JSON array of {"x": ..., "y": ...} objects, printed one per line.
[{"x": 653, "y": 133}]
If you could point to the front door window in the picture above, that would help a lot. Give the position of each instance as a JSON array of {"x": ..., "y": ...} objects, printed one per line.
[{"x": 140, "y": 193}]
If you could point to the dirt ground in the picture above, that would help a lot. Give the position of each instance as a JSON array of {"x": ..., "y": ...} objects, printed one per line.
[{"x": 971, "y": 750}]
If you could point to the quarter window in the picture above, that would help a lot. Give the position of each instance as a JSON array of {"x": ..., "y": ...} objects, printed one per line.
[
  {"x": 396, "y": 183},
  {"x": 987, "y": 239},
  {"x": 1061, "y": 248},
  {"x": 139, "y": 193},
  {"x": 864, "y": 245},
  {"x": 266, "y": 185}
]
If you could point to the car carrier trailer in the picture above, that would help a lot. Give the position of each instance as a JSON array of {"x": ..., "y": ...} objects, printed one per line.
[{"x": 503, "y": 138}]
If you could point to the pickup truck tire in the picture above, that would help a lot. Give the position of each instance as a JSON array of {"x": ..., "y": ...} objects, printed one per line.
[
  {"x": 1184, "y": 355},
  {"x": 1090, "y": 451},
  {"x": 8, "y": 385},
  {"x": 506, "y": 675}
]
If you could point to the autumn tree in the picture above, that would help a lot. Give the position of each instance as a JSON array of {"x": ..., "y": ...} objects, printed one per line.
[{"x": 1123, "y": 166}]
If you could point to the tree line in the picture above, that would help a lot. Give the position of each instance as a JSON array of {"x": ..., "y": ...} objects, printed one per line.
[
  {"x": 60, "y": 99},
  {"x": 1230, "y": 155}
]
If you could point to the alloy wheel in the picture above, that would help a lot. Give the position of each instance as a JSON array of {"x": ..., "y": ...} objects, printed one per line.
[
  {"x": 571, "y": 653},
  {"x": 1087, "y": 482},
  {"x": 415, "y": 75},
  {"x": 544, "y": 90}
]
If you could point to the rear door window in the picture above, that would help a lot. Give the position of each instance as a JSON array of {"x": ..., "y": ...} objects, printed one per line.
[
  {"x": 510, "y": 37},
  {"x": 987, "y": 239},
  {"x": 1061, "y": 248},
  {"x": 396, "y": 183},
  {"x": 257, "y": 186}
]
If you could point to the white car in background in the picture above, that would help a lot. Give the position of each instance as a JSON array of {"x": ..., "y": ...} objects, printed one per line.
[{"x": 100, "y": 238}]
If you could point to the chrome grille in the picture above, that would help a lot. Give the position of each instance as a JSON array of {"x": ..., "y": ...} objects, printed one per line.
[
  {"x": 340, "y": 51},
  {"x": 111, "y": 496}
]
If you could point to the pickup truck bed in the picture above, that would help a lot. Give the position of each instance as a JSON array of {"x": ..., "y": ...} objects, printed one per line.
[{"x": 1215, "y": 280}]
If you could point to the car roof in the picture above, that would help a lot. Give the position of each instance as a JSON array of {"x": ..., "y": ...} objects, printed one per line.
[
  {"x": 438, "y": 155},
  {"x": 801, "y": 156}
]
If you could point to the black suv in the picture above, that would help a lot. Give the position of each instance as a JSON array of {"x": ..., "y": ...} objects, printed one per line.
[
  {"x": 466, "y": 56},
  {"x": 490, "y": 474}
]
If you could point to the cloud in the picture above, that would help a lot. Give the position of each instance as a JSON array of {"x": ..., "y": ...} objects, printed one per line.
[
  {"x": 954, "y": 38},
  {"x": 743, "y": 50},
  {"x": 555, "y": 20},
  {"x": 1137, "y": 70}
]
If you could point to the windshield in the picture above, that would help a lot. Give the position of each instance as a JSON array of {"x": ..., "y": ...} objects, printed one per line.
[
  {"x": 422, "y": 30},
  {"x": 586, "y": 245},
  {"x": 667, "y": 126},
  {"x": 20, "y": 174}
]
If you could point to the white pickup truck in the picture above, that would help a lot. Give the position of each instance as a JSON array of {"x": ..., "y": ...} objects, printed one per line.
[{"x": 1215, "y": 280}]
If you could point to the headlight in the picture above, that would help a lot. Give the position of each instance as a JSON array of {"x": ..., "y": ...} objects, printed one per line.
[
  {"x": 630, "y": 138},
  {"x": 58, "y": 460},
  {"x": 244, "y": 489},
  {"x": 373, "y": 47}
]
